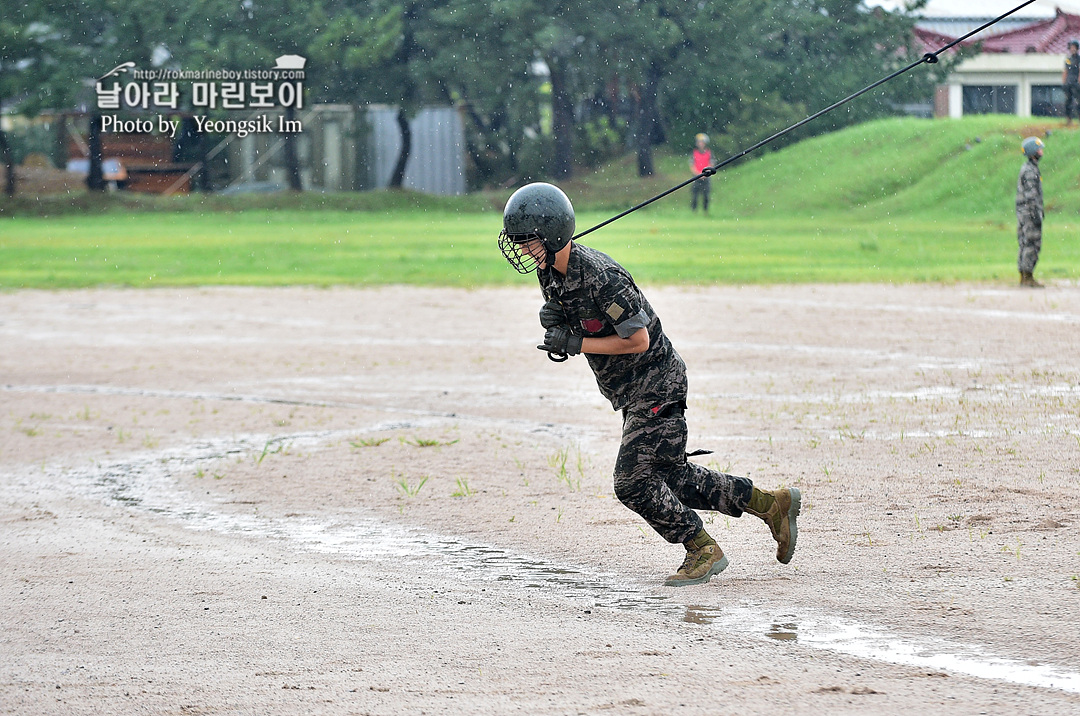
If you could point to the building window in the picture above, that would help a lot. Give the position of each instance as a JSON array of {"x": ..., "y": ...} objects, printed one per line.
[
  {"x": 1047, "y": 101},
  {"x": 989, "y": 99}
]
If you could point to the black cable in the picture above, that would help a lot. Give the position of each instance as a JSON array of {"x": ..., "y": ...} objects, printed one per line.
[{"x": 929, "y": 58}]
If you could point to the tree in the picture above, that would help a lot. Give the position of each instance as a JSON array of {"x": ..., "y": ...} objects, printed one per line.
[
  {"x": 739, "y": 71},
  {"x": 648, "y": 40},
  {"x": 831, "y": 48},
  {"x": 37, "y": 69},
  {"x": 80, "y": 39},
  {"x": 571, "y": 40},
  {"x": 226, "y": 34},
  {"x": 18, "y": 51},
  {"x": 750, "y": 69},
  {"x": 512, "y": 64},
  {"x": 483, "y": 61},
  {"x": 354, "y": 44},
  {"x": 558, "y": 43},
  {"x": 370, "y": 51}
]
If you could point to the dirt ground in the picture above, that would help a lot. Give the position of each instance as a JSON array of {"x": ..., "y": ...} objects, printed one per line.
[{"x": 387, "y": 501}]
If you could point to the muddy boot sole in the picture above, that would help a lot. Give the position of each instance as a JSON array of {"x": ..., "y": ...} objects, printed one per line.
[{"x": 793, "y": 529}]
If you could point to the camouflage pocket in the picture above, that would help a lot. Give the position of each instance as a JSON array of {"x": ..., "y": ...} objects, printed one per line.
[{"x": 651, "y": 439}]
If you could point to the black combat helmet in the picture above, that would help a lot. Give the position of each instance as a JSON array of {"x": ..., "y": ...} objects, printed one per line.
[{"x": 535, "y": 211}]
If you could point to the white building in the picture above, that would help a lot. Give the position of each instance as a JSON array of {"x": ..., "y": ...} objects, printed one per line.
[{"x": 1018, "y": 71}]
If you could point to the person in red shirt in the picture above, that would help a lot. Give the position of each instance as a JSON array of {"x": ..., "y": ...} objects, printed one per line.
[{"x": 700, "y": 160}]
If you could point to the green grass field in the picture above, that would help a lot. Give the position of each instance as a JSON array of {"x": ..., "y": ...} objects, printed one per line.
[{"x": 896, "y": 200}]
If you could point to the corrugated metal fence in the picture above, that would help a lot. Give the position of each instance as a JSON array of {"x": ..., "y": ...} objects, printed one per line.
[
  {"x": 343, "y": 148},
  {"x": 436, "y": 162}
]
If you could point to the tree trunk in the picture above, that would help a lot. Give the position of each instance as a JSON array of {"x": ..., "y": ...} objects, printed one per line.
[
  {"x": 397, "y": 179},
  {"x": 9, "y": 164},
  {"x": 292, "y": 158},
  {"x": 648, "y": 122},
  {"x": 562, "y": 122},
  {"x": 60, "y": 142},
  {"x": 95, "y": 178},
  {"x": 202, "y": 177},
  {"x": 480, "y": 153},
  {"x": 8, "y": 159}
]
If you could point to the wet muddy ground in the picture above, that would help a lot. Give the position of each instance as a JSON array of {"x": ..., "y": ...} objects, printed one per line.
[{"x": 388, "y": 501}]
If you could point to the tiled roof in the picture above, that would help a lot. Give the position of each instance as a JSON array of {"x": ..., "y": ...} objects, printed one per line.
[
  {"x": 955, "y": 26},
  {"x": 1050, "y": 36}
]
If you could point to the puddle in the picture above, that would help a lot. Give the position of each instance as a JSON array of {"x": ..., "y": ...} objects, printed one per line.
[
  {"x": 783, "y": 632},
  {"x": 698, "y": 614},
  {"x": 144, "y": 482},
  {"x": 937, "y": 654}
]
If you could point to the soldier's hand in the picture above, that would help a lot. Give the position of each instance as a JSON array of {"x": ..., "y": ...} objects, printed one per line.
[
  {"x": 559, "y": 339},
  {"x": 552, "y": 315}
]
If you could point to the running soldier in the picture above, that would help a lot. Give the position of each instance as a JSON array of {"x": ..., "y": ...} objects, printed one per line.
[
  {"x": 593, "y": 306},
  {"x": 1029, "y": 212}
]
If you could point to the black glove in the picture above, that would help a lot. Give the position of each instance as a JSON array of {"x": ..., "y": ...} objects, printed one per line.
[
  {"x": 559, "y": 339},
  {"x": 552, "y": 314}
]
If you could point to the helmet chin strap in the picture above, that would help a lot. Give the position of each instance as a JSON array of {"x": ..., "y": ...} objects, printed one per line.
[
  {"x": 546, "y": 271},
  {"x": 551, "y": 254}
]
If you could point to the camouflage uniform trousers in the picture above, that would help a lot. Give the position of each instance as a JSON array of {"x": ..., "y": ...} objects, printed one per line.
[
  {"x": 700, "y": 189},
  {"x": 654, "y": 479},
  {"x": 1029, "y": 236},
  {"x": 1072, "y": 100}
]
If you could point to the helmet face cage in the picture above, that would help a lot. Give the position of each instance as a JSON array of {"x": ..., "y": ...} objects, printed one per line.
[
  {"x": 513, "y": 248},
  {"x": 537, "y": 212}
]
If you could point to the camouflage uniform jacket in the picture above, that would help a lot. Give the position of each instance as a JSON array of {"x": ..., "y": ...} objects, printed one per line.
[
  {"x": 1029, "y": 196},
  {"x": 1072, "y": 69},
  {"x": 600, "y": 298}
]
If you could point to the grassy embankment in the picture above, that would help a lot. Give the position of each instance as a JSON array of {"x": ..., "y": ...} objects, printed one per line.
[{"x": 893, "y": 200}]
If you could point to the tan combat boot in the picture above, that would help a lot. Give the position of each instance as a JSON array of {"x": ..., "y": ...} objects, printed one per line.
[
  {"x": 778, "y": 509},
  {"x": 704, "y": 558},
  {"x": 1027, "y": 278}
]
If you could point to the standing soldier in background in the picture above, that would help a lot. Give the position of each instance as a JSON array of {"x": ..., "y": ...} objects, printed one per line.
[
  {"x": 699, "y": 161},
  {"x": 1029, "y": 212},
  {"x": 1070, "y": 81}
]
